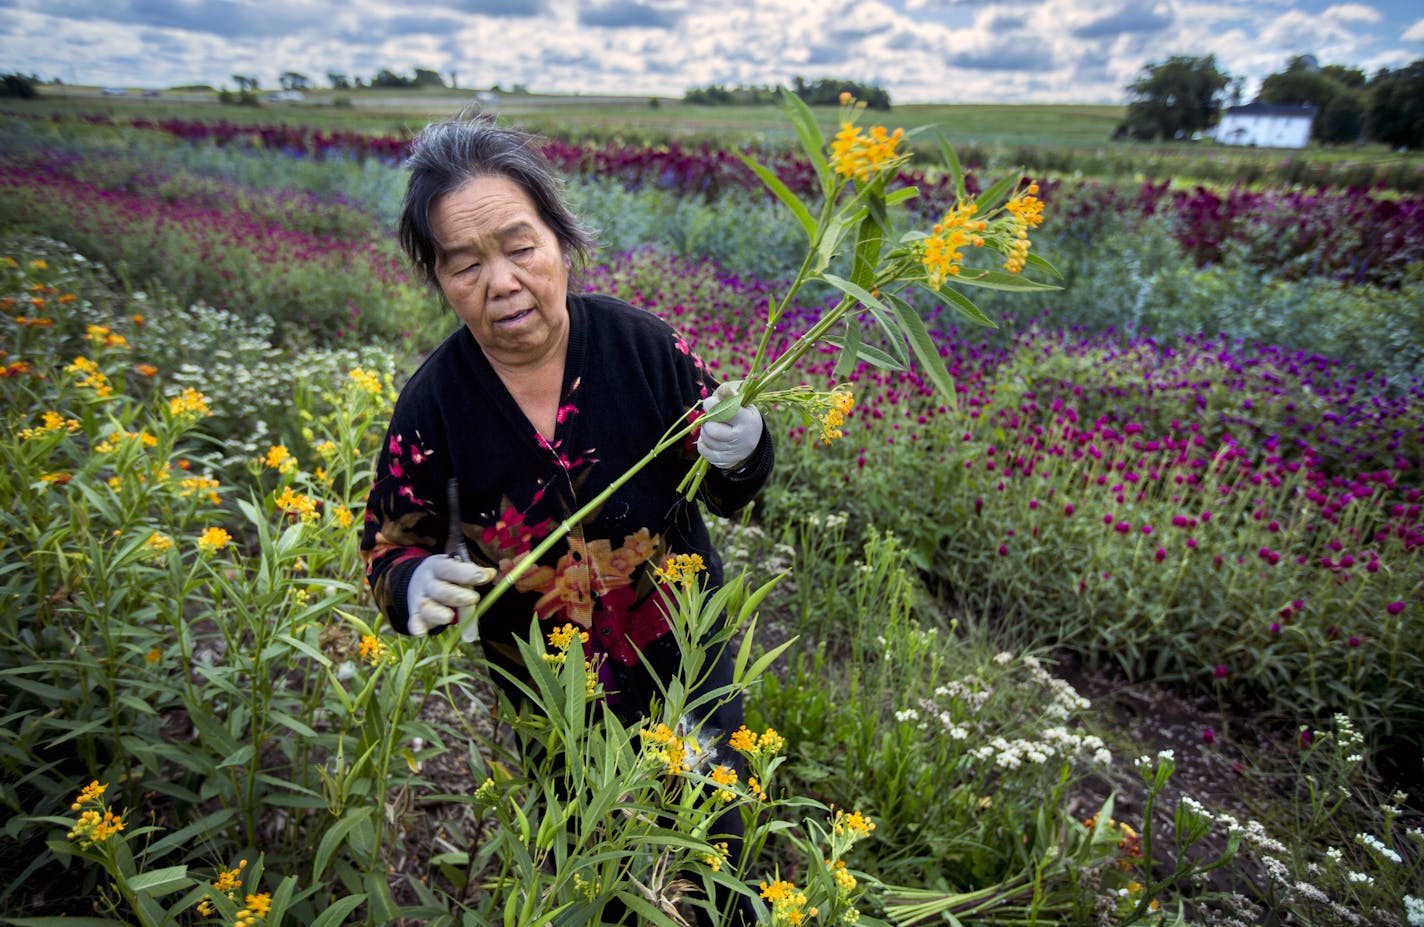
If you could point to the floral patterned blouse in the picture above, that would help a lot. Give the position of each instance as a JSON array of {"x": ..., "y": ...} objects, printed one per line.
[{"x": 627, "y": 378}]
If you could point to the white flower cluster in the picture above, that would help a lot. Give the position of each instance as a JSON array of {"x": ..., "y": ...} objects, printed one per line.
[
  {"x": 1379, "y": 846},
  {"x": 1414, "y": 911},
  {"x": 971, "y": 690}
]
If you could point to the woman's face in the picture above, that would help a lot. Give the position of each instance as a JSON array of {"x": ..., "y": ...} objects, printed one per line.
[{"x": 502, "y": 270}]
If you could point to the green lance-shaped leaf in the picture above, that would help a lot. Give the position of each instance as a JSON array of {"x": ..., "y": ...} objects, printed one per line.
[
  {"x": 783, "y": 193},
  {"x": 989, "y": 199},
  {"x": 924, "y": 347},
  {"x": 956, "y": 171},
  {"x": 1002, "y": 280},
  {"x": 812, "y": 141},
  {"x": 963, "y": 305},
  {"x": 853, "y": 351}
]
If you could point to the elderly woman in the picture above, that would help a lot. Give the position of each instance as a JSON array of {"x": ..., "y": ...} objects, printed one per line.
[{"x": 538, "y": 402}]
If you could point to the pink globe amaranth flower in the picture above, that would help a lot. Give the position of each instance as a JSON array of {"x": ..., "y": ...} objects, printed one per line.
[
  {"x": 1068, "y": 510},
  {"x": 1221, "y": 671},
  {"x": 1355, "y": 641},
  {"x": 1122, "y": 527},
  {"x": 1003, "y": 550},
  {"x": 1306, "y": 736},
  {"x": 1394, "y": 608},
  {"x": 1208, "y": 736},
  {"x": 1160, "y": 555}
]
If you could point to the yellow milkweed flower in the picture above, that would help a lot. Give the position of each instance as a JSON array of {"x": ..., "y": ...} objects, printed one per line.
[
  {"x": 715, "y": 859},
  {"x": 212, "y": 539},
  {"x": 562, "y": 638},
  {"x": 230, "y": 880},
  {"x": 681, "y": 568},
  {"x": 372, "y": 649},
  {"x": 844, "y": 880},
  {"x": 192, "y": 484},
  {"x": 788, "y": 903},
  {"x": 189, "y": 402},
  {"x": 748, "y": 742},
  {"x": 158, "y": 542},
  {"x": 855, "y": 824},
  {"x": 1025, "y": 212},
  {"x": 325, "y": 449},
  {"x": 90, "y": 793},
  {"x": 91, "y": 377},
  {"x": 840, "y": 403},
  {"x": 943, "y": 257},
  {"x": 304, "y": 507},
  {"x": 50, "y": 421},
  {"x": 367, "y": 380},
  {"x": 861, "y": 155},
  {"x": 278, "y": 458},
  {"x": 726, "y": 777}
]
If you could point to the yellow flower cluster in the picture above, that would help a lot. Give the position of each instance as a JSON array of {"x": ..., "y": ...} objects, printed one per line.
[
  {"x": 667, "y": 747},
  {"x": 367, "y": 380},
  {"x": 768, "y": 743},
  {"x": 97, "y": 824},
  {"x": 190, "y": 402},
  {"x": 91, "y": 377},
  {"x": 841, "y": 402},
  {"x": 117, "y": 438},
  {"x": 229, "y": 881},
  {"x": 681, "y": 568},
  {"x": 89, "y": 794},
  {"x": 715, "y": 859},
  {"x": 278, "y": 458},
  {"x": 561, "y": 639},
  {"x": 212, "y": 539},
  {"x": 191, "y": 484},
  {"x": 326, "y": 449},
  {"x": 158, "y": 543},
  {"x": 862, "y": 155},
  {"x": 103, "y": 335},
  {"x": 372, "y": 649},
  {"x": 854, "y": 824},
  {"x": 294, "y": 503},
  {"x": 1026, "y": 211},
  {"x": 725, "y": 777},
  {"x": 788, "y": 903},
  {"x": 257, "y": 907},
  {"x": 50, "y": 422},
  {"x": 844, "y": 880},
  {"x": 343, "y": 515},
  {"x": 943, "y": 255}
]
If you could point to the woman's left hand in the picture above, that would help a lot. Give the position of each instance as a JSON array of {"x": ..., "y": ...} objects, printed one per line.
[{"x": 729, "y": 444}]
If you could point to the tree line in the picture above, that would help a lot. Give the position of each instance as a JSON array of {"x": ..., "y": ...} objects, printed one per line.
[
  {"x": 1185, "y": 95},
  {"x": 825, "y": 91}
]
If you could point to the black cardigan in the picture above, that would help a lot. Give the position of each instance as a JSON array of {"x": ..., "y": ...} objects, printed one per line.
[{"x": 627, "y": 378}]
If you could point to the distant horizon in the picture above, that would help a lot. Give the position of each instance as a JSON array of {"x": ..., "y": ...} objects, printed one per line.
[{"x": 920, "y": 51}]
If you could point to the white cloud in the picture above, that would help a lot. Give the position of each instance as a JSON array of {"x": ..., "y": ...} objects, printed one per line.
[{"x": 930, "y": 50}]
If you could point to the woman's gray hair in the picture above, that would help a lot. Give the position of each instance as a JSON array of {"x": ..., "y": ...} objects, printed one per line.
[{"x": 450, "y": 153}]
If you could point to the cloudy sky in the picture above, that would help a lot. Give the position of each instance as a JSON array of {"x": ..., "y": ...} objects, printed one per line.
[{"x": 920, "y": 50}]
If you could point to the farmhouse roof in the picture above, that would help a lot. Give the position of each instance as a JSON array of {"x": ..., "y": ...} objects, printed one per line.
[{"x": 1258, "y": 108}]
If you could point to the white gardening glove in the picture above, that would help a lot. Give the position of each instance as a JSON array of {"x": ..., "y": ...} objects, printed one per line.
[
  {"x": 729, "y": 443},
  {"x": 441, "y": 592}
]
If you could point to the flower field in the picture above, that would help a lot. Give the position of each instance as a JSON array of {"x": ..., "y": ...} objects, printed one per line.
[{"x": 1196, "y": 466}]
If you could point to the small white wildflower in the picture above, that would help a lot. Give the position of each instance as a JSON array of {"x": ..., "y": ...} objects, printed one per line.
[
  {"x": 1311, "y": 893},
  {"x": 1414, "y": 910},
  {"x": 1334, "y": 855},
  {"x": 1166, "y": 756},
  {"x": 909, "y": 714},
  {"x": 1378, "y": 845},
  {"x": 1003, "y": 658},
  {"x": 1361, "y": 878}
]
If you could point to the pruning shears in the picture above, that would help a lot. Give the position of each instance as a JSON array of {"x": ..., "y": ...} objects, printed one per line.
[
  {"x": 455, "y": 540},
  {"x": 456, "y": 549}
]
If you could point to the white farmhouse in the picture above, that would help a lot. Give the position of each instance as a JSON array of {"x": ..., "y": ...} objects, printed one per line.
[{"x": 1266, "y": 125}]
